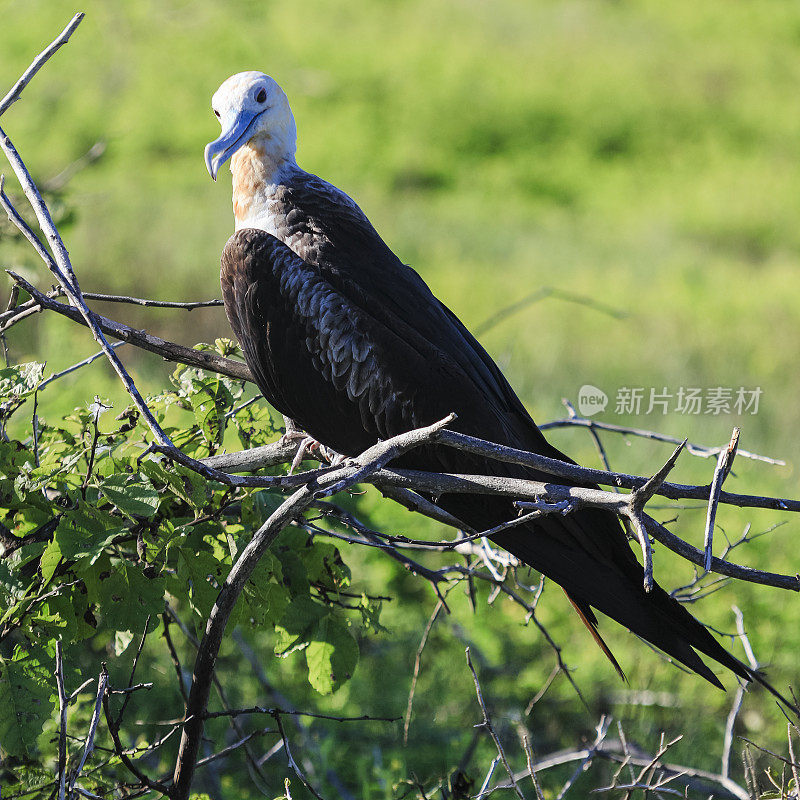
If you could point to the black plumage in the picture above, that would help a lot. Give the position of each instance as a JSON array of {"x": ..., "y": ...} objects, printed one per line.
[{"x": 351, "y": 344}]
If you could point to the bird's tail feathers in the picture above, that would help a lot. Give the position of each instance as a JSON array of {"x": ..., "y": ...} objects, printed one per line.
[
  {"x": 617, "y": 590},
  {"x": 590, "y": 621}
]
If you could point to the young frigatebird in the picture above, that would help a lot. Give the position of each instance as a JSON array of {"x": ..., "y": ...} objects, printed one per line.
[{"x": 350, "y": 344}]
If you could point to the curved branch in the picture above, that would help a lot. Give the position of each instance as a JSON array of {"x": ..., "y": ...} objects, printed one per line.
[
  {"x": 215, "y": 628},
  {"x": 170, "y": 351}
]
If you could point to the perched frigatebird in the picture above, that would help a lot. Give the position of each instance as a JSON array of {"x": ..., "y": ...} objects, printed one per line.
[{"x": 351, "y": 344}]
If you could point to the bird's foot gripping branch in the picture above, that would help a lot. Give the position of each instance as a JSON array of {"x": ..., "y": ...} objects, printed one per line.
[{"x": 113, "y": 531}]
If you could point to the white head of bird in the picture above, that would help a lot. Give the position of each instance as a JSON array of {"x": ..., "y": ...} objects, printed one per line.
[{"x": 259, "y": 135}]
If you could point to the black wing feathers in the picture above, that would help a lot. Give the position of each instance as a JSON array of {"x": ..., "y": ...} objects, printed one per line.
[{"x": 352, "y": 345}]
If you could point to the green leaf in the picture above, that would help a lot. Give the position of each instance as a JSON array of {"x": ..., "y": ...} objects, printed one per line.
[
  {"x": 202, "y": 574},
  {"x": 371, "y": 614},
  {"x": 264, "y": 598},
  {"x": 82, "y": 533},
  {"x": 24, "y": 702},
  {"x": 324, "y": 565},
  {"x": 258, "y": 506},
  {"x": 255, "y": 425},
  {"x": 183, "y": 482},
  {"x": 126, "y": 596},
  {"x": 210, "y": 401},
  {"x": 297, "y": 624},
  {"x": 331, "y": 655},
  {"x": 50, "y": 560},
  {"x": 293, "y": 572},
  {"x": 132, "y": 494},
  {"x": 263, "y": 605},
  {"x": 67, "y": 612}
]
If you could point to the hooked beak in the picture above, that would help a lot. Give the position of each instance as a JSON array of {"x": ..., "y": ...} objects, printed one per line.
[{"x": 238, "y": 134}]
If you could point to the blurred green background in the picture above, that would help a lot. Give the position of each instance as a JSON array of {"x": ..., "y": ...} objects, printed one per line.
[{"x": 641, "y": 153}]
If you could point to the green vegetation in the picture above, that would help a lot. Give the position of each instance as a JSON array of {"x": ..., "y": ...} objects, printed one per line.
[{"x": 641, "y": 153}]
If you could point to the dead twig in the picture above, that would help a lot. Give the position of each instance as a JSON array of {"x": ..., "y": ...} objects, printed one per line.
[
  {"x": 701, "y": 450},
  {"x": 251, "y": 460},
  {"x": 140, "y": 301},
  {"x": 121, "y": 751},
  {"x": 635, "y": 513},
  {"x": 102, "y": 680},
  {"x": 62, "y": 724},
  {"x": 487, "y": 725},
  {"x": 292, "y": 763},
  {"x": 170, "y": 351},
  {"x": 39, "y": 62},
  {"x": 417, "y": 662},
  {"x": 84, "y": 363},
  {"x": 602, "y": 732},
  {"x": 723, "y": 468},
  {"x": 531, "y": 769}
]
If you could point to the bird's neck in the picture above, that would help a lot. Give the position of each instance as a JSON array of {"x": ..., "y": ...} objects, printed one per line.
[{"x": 256, "y": 175}]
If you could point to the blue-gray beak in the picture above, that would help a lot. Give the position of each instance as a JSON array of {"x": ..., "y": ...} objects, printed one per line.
[{"x": 238, "y": 134}]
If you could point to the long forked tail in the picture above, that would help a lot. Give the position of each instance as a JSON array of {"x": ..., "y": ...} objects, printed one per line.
[{"x": 588, "y": 554}]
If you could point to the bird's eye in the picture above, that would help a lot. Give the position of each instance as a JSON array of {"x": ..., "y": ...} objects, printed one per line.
[
  {"x": 261, "y": 96},
  {"x": 216, "y": 113}
]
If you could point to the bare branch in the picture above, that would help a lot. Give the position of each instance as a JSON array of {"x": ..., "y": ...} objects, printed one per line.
[
  {"x": 487, "y": 724},
  {"x": 701, "y": 450},
  {"x": 62, "y": 725},
  {"x": 723, "y": 468},
  {"x": 140, "y": 301},
  {"x": 635, "y": 513},
  {"x": 85, "y": 362},
  {"x": 727, "y": 742},
  {"x": 439, "y": 483},
  {"x": 120, "y": 750},
  {"x": 174, "y": 656},
  {"x": 130, "y": 686},
  {"x": 280, "y": 712},
  {"x": 88, "y": 746},
  {"x": 38, "y": 62},
  {"x": 292, "y": 763},
  {"x": 170, "y": 351},
  {"x": 289, "y": 510},
  {"x": 551, "y": 466},
  {"x": 484, "y": 790},
  {"x": 215, "y": 627},
  {"x": 417, "y": 661},
  {"x": 531, "y": 769},
  {"x": 794, "y": 765},
  {"x": 61, "y": 267},
  {"x": 235, "y": 746},
  {"x": 602, "y": 732},
  {"x": 380, "y": 454}
]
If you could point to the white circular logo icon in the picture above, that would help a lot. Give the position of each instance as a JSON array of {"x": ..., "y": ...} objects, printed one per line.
[{"x": 591, "y": 400}]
